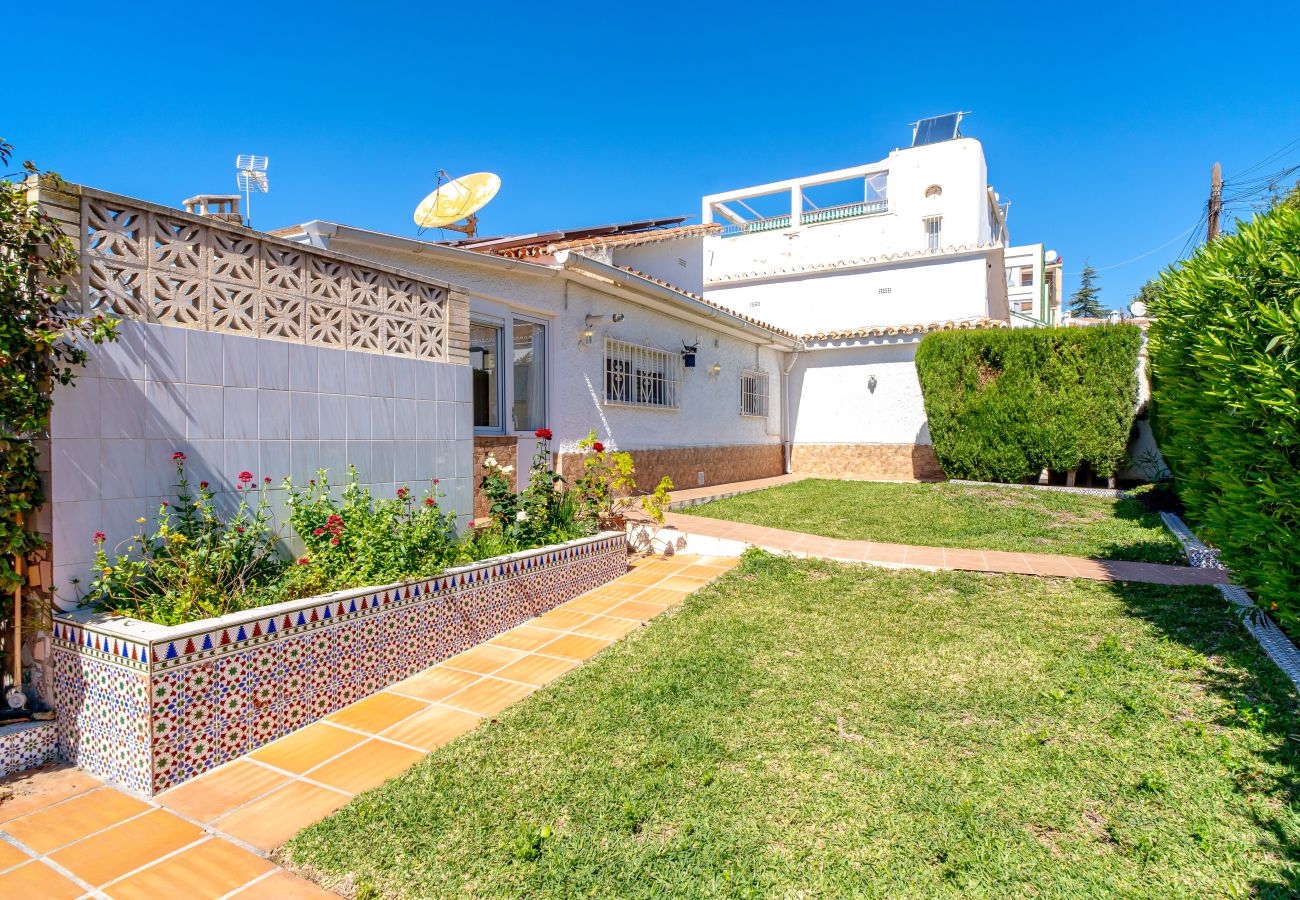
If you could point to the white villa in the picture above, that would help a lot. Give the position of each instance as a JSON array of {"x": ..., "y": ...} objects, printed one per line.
[{"x": 776, "y": 335}]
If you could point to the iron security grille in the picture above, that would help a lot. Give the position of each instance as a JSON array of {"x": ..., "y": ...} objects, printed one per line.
[
  {"x": 641, "y": 376},
  {"x": 753, "y": 394}
]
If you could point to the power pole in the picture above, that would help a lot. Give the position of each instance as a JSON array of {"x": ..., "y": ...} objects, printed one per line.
[{"x": 1216, "y": 200}]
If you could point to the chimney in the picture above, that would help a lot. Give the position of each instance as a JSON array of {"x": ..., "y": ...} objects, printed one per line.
[{"x": 223, "y": 207}]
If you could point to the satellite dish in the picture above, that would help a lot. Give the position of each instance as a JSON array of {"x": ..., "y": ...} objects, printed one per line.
[
  {"x": 458, "y": 198},
  {"x": 1050, "y": 256},
  {"x": 1138, "y": 308}
]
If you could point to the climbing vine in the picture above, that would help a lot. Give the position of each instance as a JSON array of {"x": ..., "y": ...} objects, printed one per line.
[{"x": 43, "y": 341}]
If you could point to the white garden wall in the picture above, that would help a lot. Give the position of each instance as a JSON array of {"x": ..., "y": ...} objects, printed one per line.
[
  {"x": 832, "y": 402},
  {"x": 232, "y": 403}
]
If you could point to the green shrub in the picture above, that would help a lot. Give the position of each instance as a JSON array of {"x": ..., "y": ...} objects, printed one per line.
[
  {"x": 1004, "y": 404},
  {"x": 1225, "y": 359}
]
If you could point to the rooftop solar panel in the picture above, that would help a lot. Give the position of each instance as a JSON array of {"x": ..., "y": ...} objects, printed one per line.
[{"x": 936, "y": 129}]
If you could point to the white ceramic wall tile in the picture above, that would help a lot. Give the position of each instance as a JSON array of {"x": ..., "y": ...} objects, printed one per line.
[
  {"x": 303, "y": 371},
  {"x": 333, "y": 379},
  {"x": 333, "y": 417},
  {"x": 304, "y": 416},
  {"x": 272, "y": 415},
  {"x": 165, "y": 360},
  {"x": 405, "y": 375},
  {"x": 240, "y": 405},
  {"x": 122, "y": 406},
  {"x": 426, "y": 382},
  {"x": 381, "y": 376},
  {"x": 359, "y": 426},
  {"x": 359, "y": 454},
  {"x": 383, "y": 460},
  {"x": 273, "y": 365},
  {"x": 76, "y": 409},
  {"x": 382, "y": 412},
  {"x": 240, "y": 367},
  {"x": 74, "y": 468},
  {"x": 206, "y": 408},
  {"x": 166, "y": 415},
  {"x": 304, "y": 458},
  {"x": 203, "y": 357},
  {"x": 356, "y": 373},
  {"x": 332, "y": 459},
  {"x": 275, "y": 461},
  {"x": 242, "y": 456},
  {"x": 75, "y": 523}
]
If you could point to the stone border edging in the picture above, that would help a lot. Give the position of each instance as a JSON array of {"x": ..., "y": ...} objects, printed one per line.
[
  {"x": 1058, "y": 488},
  {"x": 1279, "y": 647}
]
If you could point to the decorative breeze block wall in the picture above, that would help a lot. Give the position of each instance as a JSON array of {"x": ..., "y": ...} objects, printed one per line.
[{"x": 149, "y": 706}]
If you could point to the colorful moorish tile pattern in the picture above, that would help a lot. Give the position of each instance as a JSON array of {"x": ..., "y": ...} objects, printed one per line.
[
  {"x": 152, "y": 711},
  {"x": 27, "y": 745}
]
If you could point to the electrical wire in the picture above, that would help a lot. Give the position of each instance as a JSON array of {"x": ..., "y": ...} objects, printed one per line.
[{"x": 1149, "y": 252}]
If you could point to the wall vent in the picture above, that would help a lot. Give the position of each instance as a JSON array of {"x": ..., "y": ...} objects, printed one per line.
[
  {"x": 753, "y": 303},
  {"x": 699, "y": 478},
  {"x": 884, "y": 290}
]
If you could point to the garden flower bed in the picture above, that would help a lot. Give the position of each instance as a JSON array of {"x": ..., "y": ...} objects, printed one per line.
[{"x": 149, "y": 706}]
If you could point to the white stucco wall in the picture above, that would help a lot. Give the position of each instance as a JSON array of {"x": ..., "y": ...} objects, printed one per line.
[
  {"x": 233, "y": 403},
  {"x": 709, "y": 414},
  {"x": 832, "y": 403},
  {"x": 917, "y": 291},
  {"x": 679, "y": 261},
  {"x": 1019, "y": 296}
]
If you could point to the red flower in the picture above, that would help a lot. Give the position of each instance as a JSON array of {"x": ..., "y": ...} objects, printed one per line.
[
  {"x": 245, "y": 477},
  {"x": 203, "y": 485},
  {"x": 100, "y": 537},
  {"x": 435, "y": 481},
  {"x": 402, "y": 492},
  {"x": 543, "y": 434},
  {"x": 428, "y": 501},
  {"x": 302, "y": 560},
  {"x": 178, "y": 456},
  {"x": 334, "y": 541},
  {"x": 598, "y": 447},
  {"x": 240, "y": 529},
  {"x": 266, "y": 480},
  {"x": 318, "y": 532}
]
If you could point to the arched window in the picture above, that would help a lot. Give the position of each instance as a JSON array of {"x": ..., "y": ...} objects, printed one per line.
[{"x": 934, "y": 191}]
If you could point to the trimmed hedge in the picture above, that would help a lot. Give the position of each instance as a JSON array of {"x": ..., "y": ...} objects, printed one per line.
[
  {"x": 1005, "y": 404},
  {"x": 1225, "y": 361}
]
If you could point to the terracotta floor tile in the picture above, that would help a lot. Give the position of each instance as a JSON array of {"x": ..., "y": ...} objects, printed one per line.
[
  {"x": 643, "y": 578},
  {"x": 211, "y": 869},
  {"x": 439, "y": 681},
  {"x": 110, "y": 854},
  {"x": 1049, "y": 565},
  {"x": 964, "y": 559},
  {"x": 635, "y": 609},
  {"x": 37, "y": 880},
  {"x": 376, "y": 712},
  {"x": 1001, "y": 561},
  {"x": 660, "y": 596},
  {"x": 37, "y": 790},
  {"x": 524, "y": 637},
  {"x": 11, "y": 856},
  {"x": 608, "y": 628},
  {"x": 561, "y": 619},
  {"x": 268, "y": 822},
  {"x": 592, "y": 604},
  {"x": 483, "y": 659},
  {"x": 307, "y": 747},
  {"x": 618, "y": 590},
  {"x": 699, "y": 570},
  {"x": 283, "y": 886},
  {"x": 887, "y": 553},
  {"x": 217, "y": 793},
  {"x": 538, "y": 670},
  {"x": 432, "y": 728},
  {"x": 366, "y": 766},
  {"x": 922, "y": 556},
  {"x": 683, "y": 582},
  {"x": 489, "y": 696},
  {"x": 575, "y": 646},
  {"x": 73, "y": 819}
]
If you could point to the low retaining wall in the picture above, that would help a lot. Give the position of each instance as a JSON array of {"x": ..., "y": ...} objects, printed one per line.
[
  {"x": 890, "y": 462},
  {"x": 719, "y": 464},
  {"x": 27, "y": 745},
  {"x": 150, "y": 706}
]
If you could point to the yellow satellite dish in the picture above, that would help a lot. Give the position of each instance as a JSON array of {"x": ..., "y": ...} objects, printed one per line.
[{"x": 459, "y": 198}]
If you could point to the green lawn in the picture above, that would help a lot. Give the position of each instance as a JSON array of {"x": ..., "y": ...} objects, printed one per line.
[
  {"x": 809, "y": 729},
  {"x": 1019, "y": 520}
]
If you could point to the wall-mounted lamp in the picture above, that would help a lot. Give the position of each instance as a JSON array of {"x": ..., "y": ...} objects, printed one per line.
[
  {"x": 715, "y": 370},
  {"x": 585, "y": 338},
  {"x": 871, "y": 383}
]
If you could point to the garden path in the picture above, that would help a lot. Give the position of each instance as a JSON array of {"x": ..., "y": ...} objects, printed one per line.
[{"x": 66, "y": 834}]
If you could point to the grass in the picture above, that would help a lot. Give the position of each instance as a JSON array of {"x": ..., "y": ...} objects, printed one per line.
[
  {"x": 1018, "y": 520},
  {"x": 804, "y": 728}
]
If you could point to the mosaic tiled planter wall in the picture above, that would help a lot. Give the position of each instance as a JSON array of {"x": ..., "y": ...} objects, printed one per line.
[
  {"x": 149, "y": 706},
  {"x": 27, "y": 746}
]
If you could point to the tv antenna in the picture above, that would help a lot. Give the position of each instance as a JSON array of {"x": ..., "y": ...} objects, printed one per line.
[
  {"x": 251, "y": 178},
  {"x": 454, "y": 199}
]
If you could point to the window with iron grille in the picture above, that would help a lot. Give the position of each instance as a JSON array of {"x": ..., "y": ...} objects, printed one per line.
[
  {"x": 753, "y": 393},
  {"x": 641, "y": 376},
  {"x": 933, "y": 231}
]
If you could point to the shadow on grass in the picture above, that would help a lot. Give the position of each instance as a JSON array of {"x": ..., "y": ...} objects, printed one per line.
[
  {"x": 1257, "y": 694},
  {"x": 1166, "y": 550}
]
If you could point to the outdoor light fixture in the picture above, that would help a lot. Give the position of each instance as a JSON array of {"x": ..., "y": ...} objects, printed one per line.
[
  {"x": 715, "y": 370},
  {"x": 585, "y": 338},
  {"x": 591, "y": 319},
  {"x": 871, "y": 383}
]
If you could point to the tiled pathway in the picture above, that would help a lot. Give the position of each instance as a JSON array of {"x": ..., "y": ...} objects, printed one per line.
[
  {"x": 777, "y": 540},
  {"x": 65, "y": 834}
]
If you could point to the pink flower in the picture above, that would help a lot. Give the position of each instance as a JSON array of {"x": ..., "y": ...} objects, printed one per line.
[
  {"x": 203, "y": 485},
  {"x": 245, "y": 477},
  {"x": 543, "y": 434},
  {"x": 435, "y": 481},
  {"x": 598, "y": 447},
  {"x": 302, "y": 560},
  {"x": 178, "y": 456},
  {"x": 334, "y": 541},
  {"x": 428, "y": 501},
  {"x": 402, "y": 493},
  {"x": 100, "y": 537},
  {"x": 318, "y": 532},
  {"x": 266, "y": 480}
]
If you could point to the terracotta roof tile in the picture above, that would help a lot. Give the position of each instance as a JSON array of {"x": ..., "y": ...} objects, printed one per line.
[
  {"x": 546, "y": 248},
  {"x": 869, "y": 331}
]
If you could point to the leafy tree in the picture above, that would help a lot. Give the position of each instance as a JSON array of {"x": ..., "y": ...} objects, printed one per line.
[{"x": 1085, "y": 302}]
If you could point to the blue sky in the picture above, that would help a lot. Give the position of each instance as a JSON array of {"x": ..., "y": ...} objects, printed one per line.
[{"x": 1100, "y": 124}]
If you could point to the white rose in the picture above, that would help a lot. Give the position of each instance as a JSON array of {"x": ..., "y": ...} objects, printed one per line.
[
  {"x": 521, "y": 516},
  {"x": 506, "y": 470},
  {"x": 490, "y": 462}
]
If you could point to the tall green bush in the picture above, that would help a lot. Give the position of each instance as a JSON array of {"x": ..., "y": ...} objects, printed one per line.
[
  {"x": 1003, "y": 405},
  {"x": 1225, "y": 359}
]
